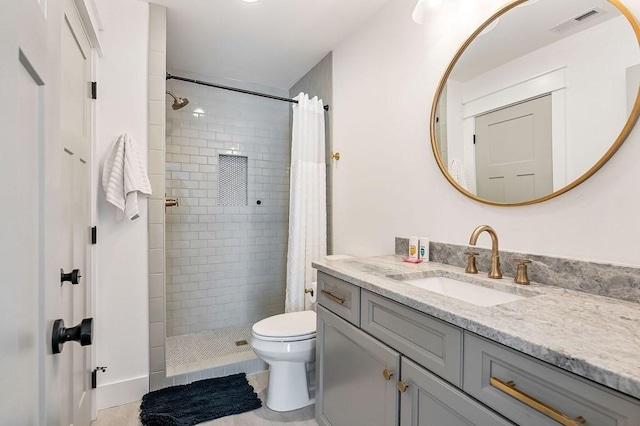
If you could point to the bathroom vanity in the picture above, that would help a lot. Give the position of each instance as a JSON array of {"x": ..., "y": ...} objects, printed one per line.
[{"x": 392, "y": 353}]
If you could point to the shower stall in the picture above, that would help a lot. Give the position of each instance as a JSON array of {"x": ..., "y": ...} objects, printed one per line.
[{"x": 227, "y": 161}]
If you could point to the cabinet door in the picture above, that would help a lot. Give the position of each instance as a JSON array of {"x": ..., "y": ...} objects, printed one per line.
[
  {"x": 530, "y": 392},
  {"x": 430, "y": 401},
  {"x": 352, "y": 388}
]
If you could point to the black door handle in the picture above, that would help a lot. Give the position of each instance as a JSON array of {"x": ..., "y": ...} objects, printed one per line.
[
  {"x": 73, "y": 276},
  {"x": 81, "y": 333}
]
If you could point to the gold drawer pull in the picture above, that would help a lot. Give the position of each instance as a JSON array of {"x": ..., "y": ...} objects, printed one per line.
[
  {"x": 510, "y": 389},
  {"x": 333, "y": 297},
  {"x": 402, "y": 386},
  {"x": 387, "y": 375}
]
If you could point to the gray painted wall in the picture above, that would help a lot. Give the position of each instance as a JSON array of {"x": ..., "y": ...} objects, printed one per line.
[{"x": 319, "y": 82}]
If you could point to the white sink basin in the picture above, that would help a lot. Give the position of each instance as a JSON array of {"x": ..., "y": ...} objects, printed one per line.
[{"x": 470, "y": 293}]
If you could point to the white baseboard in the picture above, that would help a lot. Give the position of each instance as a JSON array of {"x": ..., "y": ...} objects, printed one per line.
[{"x": 120, "y": 393}]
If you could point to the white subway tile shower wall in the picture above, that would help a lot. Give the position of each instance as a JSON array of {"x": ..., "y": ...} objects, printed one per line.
[{"x": 226, "y": 265}]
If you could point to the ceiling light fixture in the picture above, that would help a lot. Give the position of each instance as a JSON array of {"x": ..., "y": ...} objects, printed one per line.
[
  {"x": 419, "y": 14},
  {"x": 249, "y": 1}
]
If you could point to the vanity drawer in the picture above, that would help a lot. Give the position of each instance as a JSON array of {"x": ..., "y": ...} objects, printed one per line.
[
  {"x": 489, "y": 368},
  {"x": 430, "y": 342},
  {"x": 340, "y": 297}
]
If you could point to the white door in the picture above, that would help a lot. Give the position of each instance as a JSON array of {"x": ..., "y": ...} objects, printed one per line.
[
  {"x": 37, "y": 237},
  {"x": 24, "y": 81},
  {"x": 75, "y": 242},
  {"x": 513, "y": 152}
]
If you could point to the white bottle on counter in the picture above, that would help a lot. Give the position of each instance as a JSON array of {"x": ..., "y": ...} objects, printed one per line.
[
  {"x": 413, "y": 247},
  {"x": 423, "y": 249}
]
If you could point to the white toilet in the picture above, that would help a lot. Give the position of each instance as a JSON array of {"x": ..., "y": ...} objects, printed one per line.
[{"x": 287, "y": 342}]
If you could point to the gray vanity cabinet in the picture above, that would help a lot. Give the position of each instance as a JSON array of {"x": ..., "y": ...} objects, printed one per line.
[
  {"x": 340, "y": 297},
  {"x": 357, "y": 376},
  {"x": 379, "y": 362},
  {"x": 430, "y": 401},
  {"x": 431, "y": 343},
  {"x": 530, "y": 392}
]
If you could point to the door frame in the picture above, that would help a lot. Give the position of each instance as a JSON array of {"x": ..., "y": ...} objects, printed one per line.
[
  {"x": 553, "y": 82},
  {"x": 91, "y": 23}
]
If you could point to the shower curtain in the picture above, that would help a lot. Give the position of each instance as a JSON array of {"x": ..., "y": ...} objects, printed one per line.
[{"x": 307, "y": 199}]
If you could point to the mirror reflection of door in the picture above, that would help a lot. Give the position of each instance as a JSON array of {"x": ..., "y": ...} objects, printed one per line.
[{"x": 513, "y": 152}]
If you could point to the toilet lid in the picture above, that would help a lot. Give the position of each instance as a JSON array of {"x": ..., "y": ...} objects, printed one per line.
[{"x": 293, "y": 324}]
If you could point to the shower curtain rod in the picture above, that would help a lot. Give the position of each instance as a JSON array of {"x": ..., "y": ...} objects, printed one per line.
[{"x": 233, "y": 89}]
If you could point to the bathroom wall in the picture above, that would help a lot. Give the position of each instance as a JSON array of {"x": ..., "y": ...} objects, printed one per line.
[
  {"x": 122, "y": 301},
  {"x": 157, "y": 94},
  {"x": 385, "y": 78},
  {"x": 319, "y": 82},
  {"x": 226, "y": 265}
]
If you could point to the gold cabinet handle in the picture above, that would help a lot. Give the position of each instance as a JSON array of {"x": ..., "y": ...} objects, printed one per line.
[
  {"x": 172, "y": 202},
  {"x": 402, "y": 386},
  {"x": 333, "y": 297},
  {"x": 387, "y": 375},
  {"x": 510, "y": 389}
]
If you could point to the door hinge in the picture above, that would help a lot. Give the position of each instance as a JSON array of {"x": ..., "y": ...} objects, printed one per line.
[
  {"x": 94, "y": 235},
  {"x": 94, "y": 90},
  {"x": 94, "y": 376},
  {"x": 474, "y": 139}
]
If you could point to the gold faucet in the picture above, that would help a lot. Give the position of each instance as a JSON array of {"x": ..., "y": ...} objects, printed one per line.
[{"x": 495, "y": 258}]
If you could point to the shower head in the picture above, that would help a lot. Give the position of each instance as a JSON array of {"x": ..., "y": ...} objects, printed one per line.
[{"x": 178, "y": 102}]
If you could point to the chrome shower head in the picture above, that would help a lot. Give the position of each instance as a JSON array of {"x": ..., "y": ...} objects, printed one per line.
[{"x": 178, "y": 102}]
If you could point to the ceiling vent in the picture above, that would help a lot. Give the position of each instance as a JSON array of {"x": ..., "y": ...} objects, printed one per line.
[{"x": 588, "y": 15}]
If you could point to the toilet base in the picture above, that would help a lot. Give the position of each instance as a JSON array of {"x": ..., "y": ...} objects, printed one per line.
[{"x": 288, "y": 386}]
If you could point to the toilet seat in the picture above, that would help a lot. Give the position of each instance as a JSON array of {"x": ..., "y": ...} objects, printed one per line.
[
  {"x": 293, "y": 326},
  {"x": 284, "y": 339}
]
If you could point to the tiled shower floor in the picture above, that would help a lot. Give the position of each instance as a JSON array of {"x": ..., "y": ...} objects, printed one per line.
[{"x": 208, "y": 349}]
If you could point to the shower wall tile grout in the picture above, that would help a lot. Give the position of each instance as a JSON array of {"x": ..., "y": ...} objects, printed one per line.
[
  {"x": 225, "y": 265},
  {"x": 157, "y": 87}
]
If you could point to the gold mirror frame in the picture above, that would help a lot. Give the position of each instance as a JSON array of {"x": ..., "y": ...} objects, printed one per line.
[{"x": 631, "y": 121}]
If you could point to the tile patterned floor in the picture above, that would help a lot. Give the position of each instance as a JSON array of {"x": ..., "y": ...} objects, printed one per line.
[
  {"x": 211, "y": 353},
  {"x": 209, "y": 344},
  {"x": 127, "y": 415}
]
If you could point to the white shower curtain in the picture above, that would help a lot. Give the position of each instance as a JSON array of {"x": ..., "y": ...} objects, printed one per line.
[{"x": 307, "y": 199}]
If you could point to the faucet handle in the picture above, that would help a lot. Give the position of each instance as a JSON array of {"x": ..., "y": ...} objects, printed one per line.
[
  {"x": 521, "y": 272},
  {"x": 471, "y": 262}
]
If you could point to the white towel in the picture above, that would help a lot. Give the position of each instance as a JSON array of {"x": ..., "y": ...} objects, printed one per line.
[
  {"x": 124, "y": 176},
  {"x": 459, "y": 173}
]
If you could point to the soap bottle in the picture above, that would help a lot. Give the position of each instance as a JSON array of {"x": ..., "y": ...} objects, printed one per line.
[
  {"x": 413, "y": 248},
  {"x": 423, "y": 249}
]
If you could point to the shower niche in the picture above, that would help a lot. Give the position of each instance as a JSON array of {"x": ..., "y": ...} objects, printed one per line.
[{"x": 232, "y": 180}]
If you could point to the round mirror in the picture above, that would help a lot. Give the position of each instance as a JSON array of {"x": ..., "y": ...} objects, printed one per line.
[{"x": 537, "y": 99}]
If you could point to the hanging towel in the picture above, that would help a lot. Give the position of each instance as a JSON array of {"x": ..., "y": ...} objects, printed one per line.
[
  {"x": 459, "y": 174},
  {"x": 124, "y": 176}
]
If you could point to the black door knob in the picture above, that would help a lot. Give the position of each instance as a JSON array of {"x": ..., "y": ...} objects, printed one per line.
[
  {"x": 81, "y": 333},
  {"x": 73, "y": 276}
]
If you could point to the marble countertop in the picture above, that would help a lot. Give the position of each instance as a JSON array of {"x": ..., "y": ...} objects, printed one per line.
[{"x": 593, "y": 336}]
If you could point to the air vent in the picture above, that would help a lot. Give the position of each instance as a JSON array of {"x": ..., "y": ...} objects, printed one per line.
[
  {"x": 586, "y": 15},
  {"x": 577, "y": 20}
]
